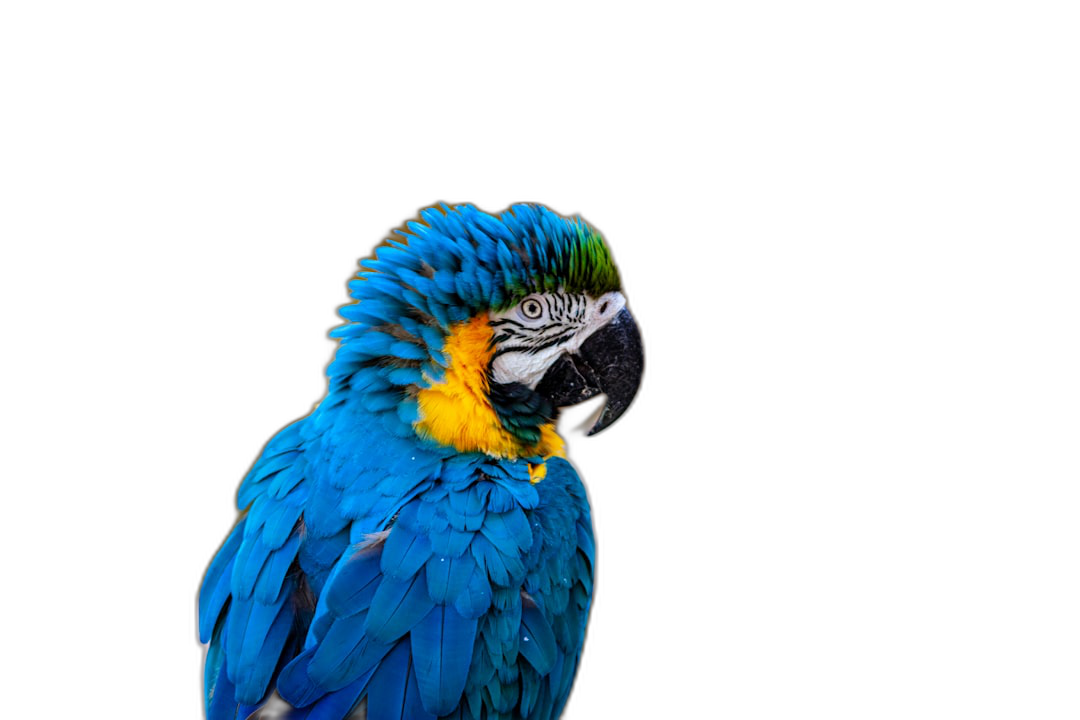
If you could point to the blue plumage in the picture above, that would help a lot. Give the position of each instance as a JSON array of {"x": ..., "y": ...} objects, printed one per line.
[
  {"x": 448, "y": 577},
  {"x": 375, "y": 565},
  {"x": 537, "y": 640},
  {"x": 404, "y": 553},
  {"x": 442, "y": 647},
  {"x": 475, "y": 597},
  {"x": 389, "y": 695},
  {"x": 397, "y": 606}
]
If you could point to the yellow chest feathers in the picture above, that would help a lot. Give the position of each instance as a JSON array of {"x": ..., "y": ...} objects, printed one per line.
[{"x": 457, "y": 411}]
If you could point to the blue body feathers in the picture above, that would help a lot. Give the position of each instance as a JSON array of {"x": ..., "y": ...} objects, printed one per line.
[{"x": 475, "y": 596}]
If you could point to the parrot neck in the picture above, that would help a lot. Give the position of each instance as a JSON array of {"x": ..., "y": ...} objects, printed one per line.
[{"x": 459, "y": 412}]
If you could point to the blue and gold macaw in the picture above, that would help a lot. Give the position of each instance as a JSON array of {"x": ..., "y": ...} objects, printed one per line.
[{"x": 418, "y": 547}]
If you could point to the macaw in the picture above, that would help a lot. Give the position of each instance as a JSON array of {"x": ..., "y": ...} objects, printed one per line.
[{"x": 418, "y": 546}]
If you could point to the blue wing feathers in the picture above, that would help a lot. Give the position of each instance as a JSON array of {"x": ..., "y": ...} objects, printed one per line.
[
  {"x": 451, "y": 542},
  {"x": 258, "y": 664},
  {"x": 390, "y": 684},
  {"x": 216, "y": 585},
  {"x": 322, "y": 515},
  {"x": 509, "y": 531},
  {"x": 407, "y": 518},
  {"x": 469, "y": 506},
  {"x": 393, "y": 693},
  {"x": 254, "y": 639},
  {"x": 447, "y": 577},
  {"x": 583, "y": 571},
  {"x": 504, "y": 568},
  {"x": 430, "y": 621},
  {"x": 279, "y": 454},
  {"x": 338, "y": 704},
  {"x": 353, "y": 583},
  {"x": 531, "y": 686},
  {"x": 338, "y": 652},
  {"x": 585, "y": 541},
  {"x": 341, "y": 671},
  {"x": 250, "y": 560},
  {"x": 271, "y": 580},
  {"x": 438, "y": 527},
  {"x": 475, "y": 599},
  {"x": 284, "y": 481},
  {"x": 413, "y": 708},
  {"x": 317, "y": 557},
  {"x": 397, "y": 606},
  {"x": 221, "y": 703},
  {"x": 537, "y": 639},
  {"x": 295, "y": 685},
  {"x": 275, "y": 463},
  {"x": 404, "y": 554},
  {"x": 442, "y": 647},
  {"x": 499, "y": 500},
  {"x": 281, "y": 524}
]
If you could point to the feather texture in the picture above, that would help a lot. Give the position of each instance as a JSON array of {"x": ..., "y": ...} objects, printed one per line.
[
  {"x": 216, "y": 584},
  {"x": 537, "y": 639},
  {"x": 432, "y": 617},
  {"x": 442, "y": 648},
  {"x": 377, "y": 563},
  {"x": 397, "y": 606},
  {"x": 448, "y": 577}
]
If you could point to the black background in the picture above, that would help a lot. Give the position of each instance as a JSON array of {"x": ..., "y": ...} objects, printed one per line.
[{"x": 707, "y": 569}]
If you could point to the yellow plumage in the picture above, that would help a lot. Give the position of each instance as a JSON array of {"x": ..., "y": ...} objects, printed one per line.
[{"x": 457, "y": 411}]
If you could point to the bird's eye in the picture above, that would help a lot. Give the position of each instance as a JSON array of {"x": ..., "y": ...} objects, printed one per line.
[{"x": 531, "y": 308}]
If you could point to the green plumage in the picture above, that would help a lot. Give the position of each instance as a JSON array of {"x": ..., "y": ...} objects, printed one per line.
[{"x": 589, "y": 267}]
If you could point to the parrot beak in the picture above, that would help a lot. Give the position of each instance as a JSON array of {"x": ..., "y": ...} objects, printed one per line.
[{"x": 609, "y": 362}]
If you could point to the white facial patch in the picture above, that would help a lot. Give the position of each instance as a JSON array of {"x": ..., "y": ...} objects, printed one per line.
[{"x": 530, "y": 336}]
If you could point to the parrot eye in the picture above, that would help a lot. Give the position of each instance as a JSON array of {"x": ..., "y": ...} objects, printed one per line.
[{"x": 532, "y": 309}]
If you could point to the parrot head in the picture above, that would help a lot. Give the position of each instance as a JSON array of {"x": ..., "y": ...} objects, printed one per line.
[{"x": 472, "y": 330}]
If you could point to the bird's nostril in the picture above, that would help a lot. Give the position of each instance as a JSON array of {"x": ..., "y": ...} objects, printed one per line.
[{"x": 603, "y": 307}]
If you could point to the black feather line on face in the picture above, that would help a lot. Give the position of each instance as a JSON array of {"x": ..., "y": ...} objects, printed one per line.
[
  {"x": 505, "y": 321},
  {"x": 535, "y": 341},
  {"x": 530, "y": 345},
  {"x": 560, "y": 339}
]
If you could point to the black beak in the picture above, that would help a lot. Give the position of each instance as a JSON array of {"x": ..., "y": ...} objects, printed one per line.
[{"x": 610, "y": 362}]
